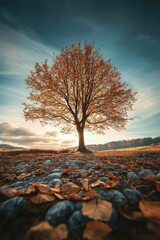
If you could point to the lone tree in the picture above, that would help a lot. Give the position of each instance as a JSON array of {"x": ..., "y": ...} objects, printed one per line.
[{"x": 79, "y": 91}]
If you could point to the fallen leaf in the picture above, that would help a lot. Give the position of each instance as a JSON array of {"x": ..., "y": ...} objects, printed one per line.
[
  {"x": 135, "y": 216},
  {"x": 66, "y": 170},
  {"x": 40, "y": 198},
  {"x": 112, "y": 176},
  {"x": 150, "y": 209},
  {"x": 98, "y": 166},
  {"x": 85, "y": 184},
  {"x": 43, "y": 188},
  {"x": 107, "y": 184},
  {"x": 111, "y": 184},
  {"x": 9, "y": 192},
  {"x": 73, "y": 196},
  {"x": 59, "y": 196},
  {"x": 97, "y": 209},
  {"x": 69, "y": 187},
  {"x": 98, "y": 183},
  {"x": 91, "y": 194},
  {"x": 23, "y": 176},
  {"x": 62, "y": 231},
  {"x": 96, "y": 230},
  {"x": 45, "y": 231},
  {"x": 85, "y": 175},
  {"x": 76, "y": 174},
  {"x": 149, "y": 178}
]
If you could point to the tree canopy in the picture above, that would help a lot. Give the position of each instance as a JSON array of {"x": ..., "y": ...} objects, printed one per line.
[{"x": 80, "y": 90}]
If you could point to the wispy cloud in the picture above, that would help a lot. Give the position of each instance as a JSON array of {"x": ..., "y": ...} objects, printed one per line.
[
  {"x": 12, "y": 134},
  {"x": 20, "y": 52},
  {"x": 146, "y": 38}
]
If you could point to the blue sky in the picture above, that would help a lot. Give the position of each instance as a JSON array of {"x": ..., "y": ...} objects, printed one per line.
[{"x": 127, "y": 32}]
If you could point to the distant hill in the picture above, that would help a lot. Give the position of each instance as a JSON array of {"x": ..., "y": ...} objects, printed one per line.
[
  {"x": 125, "y": 144},
  {"x": 7, "y": 146}
]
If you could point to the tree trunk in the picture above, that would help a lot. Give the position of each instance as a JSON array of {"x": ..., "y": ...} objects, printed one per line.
[{"x": 81, "y": 147}]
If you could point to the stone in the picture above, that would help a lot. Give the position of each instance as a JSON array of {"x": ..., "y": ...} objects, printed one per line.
[
  {"x": 132, "y": 175},
  {"x": 133, "y": 196},
  {"x": 104, "y": 179},
  {"x": 4, "y": 175},
  {"x": 13, "y": 208},
  {"x": 56, "y": 170},
  {"x": 53, "y": 182},
  {"x": 115, "y": 197},
  {"x": 18, "y": 185},
  {"x": 76, "y": 162},
  {"x": 64, "y": 165},
  {"x": 77, "y": 222},
  {"x": 22, "y": 167},
  {"x": 60, "y": 212},
  {"x": 113, "y": 222},
  {"x": 78, "y": 205},
  {"x": 48, "y": 162},
  {"x": 89, "y": 165},
  {"x": 81, "y": 170},
  {"x": 52, "y": 176},
  {"x": 145, "y": 173}
]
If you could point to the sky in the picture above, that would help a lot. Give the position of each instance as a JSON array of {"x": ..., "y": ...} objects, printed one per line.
[{"x": 126, "y": 31}]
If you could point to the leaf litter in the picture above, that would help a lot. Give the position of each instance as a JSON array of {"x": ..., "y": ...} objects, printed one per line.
[{"x": 85, "y": 191}]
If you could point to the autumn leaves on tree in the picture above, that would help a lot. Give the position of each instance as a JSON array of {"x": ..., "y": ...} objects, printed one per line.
[{"x": 80, "y": 90}]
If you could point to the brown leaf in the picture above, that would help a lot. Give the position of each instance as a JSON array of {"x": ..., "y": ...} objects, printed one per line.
[
  {"x": 76, "y": 174},
  {"x": 73, "y": 196},
  {"x": 150, "y": 209},
  {"x": 96, "y": 230},
  {"x": 107, "y": 184},
  {"x": 9, "y": 192},
  {"x": 59, "y": 196},
  {"x": 135, "y": 216},
  {"x": 71, "y": 168},
  {"x": 98, "y": 183},
  {"x": 98, "y": 166},
  {"x": 91, "y": 194},
  {"x": 23, "y": 176},
  {"x": 62, "y": 231},
  {"x": 40, "y": 198},
  {"x": 85, "y": 175},
  {"x": 69, "y": 187},
  {"x": 85, "y": 184},
  {"x": 112, "y": 176},
  {"x": 97, "y": 209},
  {"x": 43, "y": 188},
  {"x": 45, "y": 231},
  {"x": 149, "y": 178},
  {"x": 111, "y": 184}
]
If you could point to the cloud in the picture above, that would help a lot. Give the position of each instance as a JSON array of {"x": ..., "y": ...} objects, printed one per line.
[
  {"x": 51, "y": 134},
  {"x": 9, "y": 129},
  {"x": 21, "y": 136},
  {"x": 20, "y": 52},
  {"x": 67, "y": 143},
  {"x": 147, "y": 38}
]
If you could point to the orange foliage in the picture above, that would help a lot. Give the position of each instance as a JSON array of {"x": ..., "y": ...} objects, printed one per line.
[{"x": 79, "y": 90}]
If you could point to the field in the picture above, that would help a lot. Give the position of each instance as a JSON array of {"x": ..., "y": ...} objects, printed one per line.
[{"x": 111, "y": 195}]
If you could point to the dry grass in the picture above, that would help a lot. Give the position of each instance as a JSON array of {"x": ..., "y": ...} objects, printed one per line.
[
  {"x": 130, "y": 151},
  {"x": 51, "y": 153}
]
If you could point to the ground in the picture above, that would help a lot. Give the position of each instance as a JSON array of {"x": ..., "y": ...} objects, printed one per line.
[{"x": 68, "y": 195}]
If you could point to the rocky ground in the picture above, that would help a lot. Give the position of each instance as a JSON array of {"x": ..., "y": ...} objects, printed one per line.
[{"x": 108, "y": 195}]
